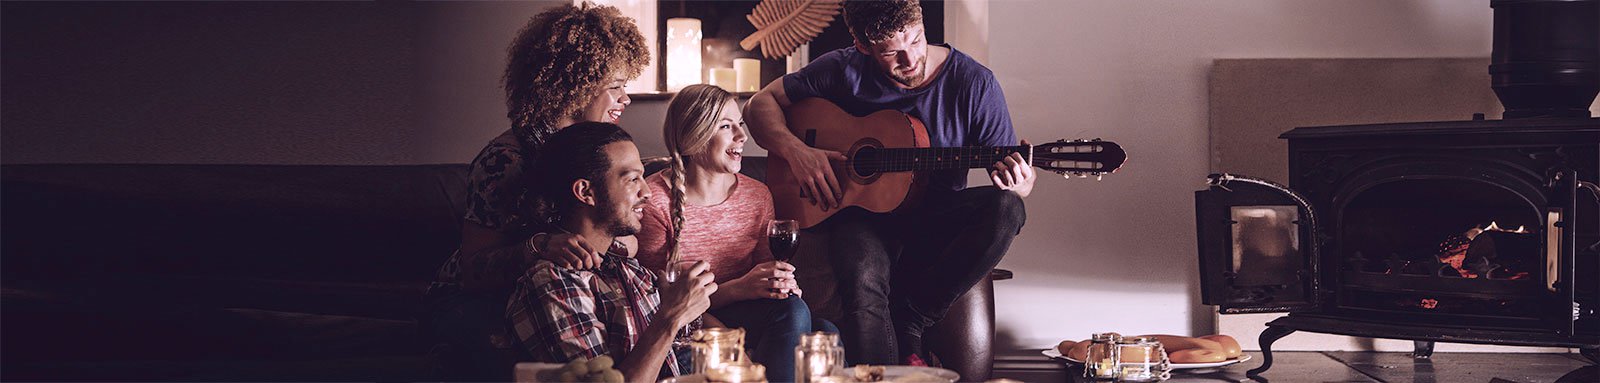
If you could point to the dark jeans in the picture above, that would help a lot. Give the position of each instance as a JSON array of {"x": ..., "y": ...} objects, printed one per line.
[
  {"x": 898, "y": 273},
  {"x": 772, "y": 330},
  {"x": 470, "y": 337}
]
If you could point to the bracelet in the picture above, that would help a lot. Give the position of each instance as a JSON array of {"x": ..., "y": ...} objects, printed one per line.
[{"x": 536, "y": 244}]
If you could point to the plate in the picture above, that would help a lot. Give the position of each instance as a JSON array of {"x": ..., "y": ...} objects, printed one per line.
[
  {"x": 685, "y": 378},
  {"x": 690, "y": 378},
  {"x": 1056, "y": 354},
  {"x": 890, "y": 374},
  {"x": 922, "y": 374}
]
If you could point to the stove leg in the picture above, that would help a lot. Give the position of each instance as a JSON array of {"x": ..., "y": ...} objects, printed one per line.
[
  {"x": 1272, "y": 334},
  {"x": 1422, "y": 349}
]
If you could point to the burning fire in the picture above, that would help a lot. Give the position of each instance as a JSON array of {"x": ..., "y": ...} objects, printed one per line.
[
  {"x": 1493, "y": 226},
  {"x": 1454, "y": 250}
]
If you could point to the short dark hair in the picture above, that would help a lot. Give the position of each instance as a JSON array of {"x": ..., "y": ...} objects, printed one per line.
[
  {"x": 573, "y": 153},
  {"x": 873, "y": 21}
]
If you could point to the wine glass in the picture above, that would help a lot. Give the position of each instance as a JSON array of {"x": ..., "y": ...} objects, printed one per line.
[
  {"x": 677, "y": 271},
  {"x": 783, "y": 236}
]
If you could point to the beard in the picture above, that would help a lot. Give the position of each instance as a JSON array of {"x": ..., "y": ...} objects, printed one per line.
[
  {"x": 913, "y": 79},
  {"x": 621, "y": 229},
  {"x": 617, "y": 223}
]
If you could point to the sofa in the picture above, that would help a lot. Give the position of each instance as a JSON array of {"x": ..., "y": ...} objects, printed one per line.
[{"x": 259, "y": 273}]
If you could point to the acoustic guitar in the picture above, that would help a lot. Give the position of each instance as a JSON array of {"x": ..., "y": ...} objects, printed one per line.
[{"x": 887, "y": 150}]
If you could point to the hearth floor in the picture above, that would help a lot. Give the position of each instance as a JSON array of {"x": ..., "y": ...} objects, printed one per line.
[{"x": 1341, "y": 366}]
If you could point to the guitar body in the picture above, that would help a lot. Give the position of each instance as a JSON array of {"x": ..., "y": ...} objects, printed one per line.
[
  {"x": 886, "y": 151},
  {"x": 834, "y": 129}
]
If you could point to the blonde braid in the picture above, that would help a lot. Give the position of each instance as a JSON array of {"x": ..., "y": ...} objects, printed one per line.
[{"x": 675, "y": 190}]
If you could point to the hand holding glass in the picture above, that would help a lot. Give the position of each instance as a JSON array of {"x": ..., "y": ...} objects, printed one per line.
[{"x": 676, "y": 272}]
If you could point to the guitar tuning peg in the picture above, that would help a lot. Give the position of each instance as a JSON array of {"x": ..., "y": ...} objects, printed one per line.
[
  {"x": 1096, "y": 139},
  {"x": 1083, "y": 175},
  {"x": 1098, "y": 176}
]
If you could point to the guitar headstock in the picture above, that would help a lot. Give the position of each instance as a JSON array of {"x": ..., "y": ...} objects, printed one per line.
[{"x": 1079, "y": 157}]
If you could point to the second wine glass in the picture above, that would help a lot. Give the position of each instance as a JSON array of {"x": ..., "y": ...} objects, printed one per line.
[{"x": 783, "y": 236}]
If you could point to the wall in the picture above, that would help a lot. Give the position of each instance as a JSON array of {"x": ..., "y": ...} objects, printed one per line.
[
  {"x": 1119, "y": 255},
  {"x": 253, "y": 82}
]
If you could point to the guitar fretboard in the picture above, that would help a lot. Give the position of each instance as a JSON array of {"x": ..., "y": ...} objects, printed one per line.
[{"x": 919, "y": 159}]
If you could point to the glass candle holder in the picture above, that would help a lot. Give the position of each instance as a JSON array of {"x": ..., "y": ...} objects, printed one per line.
[
  {"x": 715, "y": 347},
  {"x": 1101, "y": 360},
  {"x": 1142, "y": 359},
  {"x": 738, "y": 373},
  {"x": 817, "y": 357}
]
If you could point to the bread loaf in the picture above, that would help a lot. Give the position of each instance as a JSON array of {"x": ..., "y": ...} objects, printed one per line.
[
  {"x": 1065, "y": 347},
  {"x": 1078, "y": 350},
  {"x": 1196, "y": 355},
  {"x": 1175, "y": 343},
  {"x": 1230, "y": 346}
]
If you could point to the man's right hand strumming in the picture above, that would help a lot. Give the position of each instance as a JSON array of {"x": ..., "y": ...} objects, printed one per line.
[
  {"x": 810, "y": 165},
  {"x": 815, "y": 174},
  {"x": 689, "y": 297}
]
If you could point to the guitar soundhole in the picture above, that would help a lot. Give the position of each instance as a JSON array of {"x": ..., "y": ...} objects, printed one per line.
[{"x": 862, "y": 162}]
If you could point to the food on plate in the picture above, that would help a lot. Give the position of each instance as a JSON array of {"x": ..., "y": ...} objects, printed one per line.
[
  {"x": 590, "y": 370},
  {"x": 871, "y": 373},
  {"x": 1204, "y": 349},
  {"x": 1074, "y": 350},
  {"x": 1229, "y": 345},
  {"x": 1197, "y": 355},
  {"x": 867, "y": 373},
  {"x": 1177, "y": 342}
]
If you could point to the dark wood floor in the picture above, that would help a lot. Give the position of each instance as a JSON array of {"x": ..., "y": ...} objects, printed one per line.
[{"x": 1391, "y": 367}]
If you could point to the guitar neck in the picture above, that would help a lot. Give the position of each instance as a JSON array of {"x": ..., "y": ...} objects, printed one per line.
[{"x": 920, "y": 159}]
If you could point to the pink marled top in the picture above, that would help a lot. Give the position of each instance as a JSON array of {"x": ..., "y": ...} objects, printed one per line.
[{"x": 731, "y": 235}]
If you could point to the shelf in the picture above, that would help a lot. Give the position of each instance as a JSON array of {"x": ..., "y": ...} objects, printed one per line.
[{"x": 663, "y": 96}]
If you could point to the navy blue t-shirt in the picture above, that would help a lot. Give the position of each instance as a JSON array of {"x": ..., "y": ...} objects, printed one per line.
[{"x": 962, "y": 106}]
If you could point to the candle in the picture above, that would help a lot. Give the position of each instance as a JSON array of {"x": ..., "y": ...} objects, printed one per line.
[
  {"x": 723, "y": 78},
  {"x": 715, "y": 347},
  {"x": 683, "y": 52},
  {"x": 818, "y": 356},
  {"x": 738, "y": 373},
  {"x": 749, "y": 73}
]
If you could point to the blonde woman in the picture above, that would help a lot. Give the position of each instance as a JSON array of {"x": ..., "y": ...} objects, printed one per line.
[{"x": 704, "y": 210}]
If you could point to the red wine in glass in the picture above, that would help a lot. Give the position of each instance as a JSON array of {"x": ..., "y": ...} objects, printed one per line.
[{"x": 783, "y": 235}]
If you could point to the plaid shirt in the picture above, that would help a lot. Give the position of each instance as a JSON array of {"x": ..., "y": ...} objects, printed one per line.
[{"x": 560, "y": 314}]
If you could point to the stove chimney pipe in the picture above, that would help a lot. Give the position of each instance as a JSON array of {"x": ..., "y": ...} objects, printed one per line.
[{"x": 1546, "y": 60}]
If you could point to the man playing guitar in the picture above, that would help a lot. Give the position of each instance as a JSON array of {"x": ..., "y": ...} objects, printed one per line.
[{"x": 899, "y": 272}]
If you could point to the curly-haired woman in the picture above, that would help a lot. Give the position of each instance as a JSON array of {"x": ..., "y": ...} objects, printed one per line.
[
  {"x": 567, "y": 65},
  {"x": 714, "y": 214}
]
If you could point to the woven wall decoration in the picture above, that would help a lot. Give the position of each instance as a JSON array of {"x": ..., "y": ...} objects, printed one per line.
[{"x": 782, "y": 25}]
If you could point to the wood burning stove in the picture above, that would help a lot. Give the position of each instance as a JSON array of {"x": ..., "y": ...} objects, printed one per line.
[
  {"x": 1480, "y": 231},
  {"x": 1471, "y": 231}
]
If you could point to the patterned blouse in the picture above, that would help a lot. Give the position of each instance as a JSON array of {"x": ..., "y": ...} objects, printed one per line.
[
  {"x": 560, "y": 314},
  {"x": 495, "y": 199}
]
